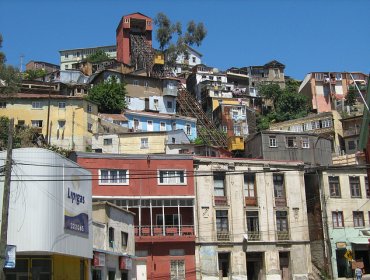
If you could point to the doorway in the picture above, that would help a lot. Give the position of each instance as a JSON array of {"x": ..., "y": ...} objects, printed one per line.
[
  {"x": 254, "y": 265},
  {"x": 224, "y": 265},
  {"x": 284, "y": 265}
]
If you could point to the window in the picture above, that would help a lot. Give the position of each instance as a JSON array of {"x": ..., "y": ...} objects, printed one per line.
[
  {"x": 367, "y": 187},
  {"x": 337, "y": 219},
  {"x": 169, "y": 104},
  {"x": 188, "y": 129},
  {"x": 219, "y": 184},
  {"x": 272, "y": 141},
  {"x": 111, "y": 275},
  {"x": 222, "y": 221},
  {"x": 252, "y": 222},
  {"x": 36, "y": 105},
  {"x": 156, "y": 106},
  {"x": 135, "y": 83},
  {"x": 136, "y": 124},
  {"x": 127, "y": 20},
  {"x": 2, "y": 104},
  {"x": 124, "y": 239},
  {"x": 66, "y": 67},
  {"x": 326, "y": 123},
  {"x": 291, "y": 142},
  {"x": 111, "y": 237},
  {"x": 249, "y": 185},
  {"x": 107, "y": 141},
  {"x": 334, "y": 186},
  {"x": 146, "y": 84},
  {"x": 36, "y": 123},
  {"x": 237, "y": 130},
  {"x": 351, "y": 145},
  {"x": 89, "y": 108},
  {"x": 305, "y": 143},
  {"x": 61, "y": 124},
  {"x": 169, "y": 220},
  {"x": 173, "y": 126},
  {"x": 144, "y": 143},
  {"x": 89, "y": 127},
  {"x": 276, "y": 73},
  {"x": 61, "y": 105},
  {"x": 149, "y": 125},
  {"x": 193, "y": 59},
  {"x": 315, "y": 124},
  {"x": 338, "y": 76},
  {"x": 171, "y": 177},
  {"x": 113, "y": 176},
  {"x": 358, "y": 218},
  {"x": 281, "y": 221},
  {"x": 177, "y": 270},
  {"x": 278, "y": 180},
  {"x": 354, "y": 183},
  {"x": 163, "y": 126}
]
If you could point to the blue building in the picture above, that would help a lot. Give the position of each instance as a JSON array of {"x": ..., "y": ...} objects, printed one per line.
[{"x": 151, "y": 121}]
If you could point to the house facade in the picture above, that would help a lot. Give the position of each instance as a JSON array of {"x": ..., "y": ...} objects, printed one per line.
[
  {"x": 159, "y": 189},
  {"x": 326, "y": 124},
  {"x": 42, "y": 65},
  {"x": 327, "y": 90},
  {"x": 114, "y": 242},
  {"x": 339, "y": 220},
  {"x": 51, "y": 230},
  {"x": 310, "y": 148},
  {"x": 252, "y": 219},
  {"x": 72, "y": 119},
  {"x": 151, "y": 121},
  {"x": 69, "y": 57},
  {"x": 185, "y": 62},
  {"x": 158, "y": 142}
]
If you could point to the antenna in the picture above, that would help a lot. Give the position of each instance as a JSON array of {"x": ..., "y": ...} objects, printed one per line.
[{"x": 21, "y": 62}]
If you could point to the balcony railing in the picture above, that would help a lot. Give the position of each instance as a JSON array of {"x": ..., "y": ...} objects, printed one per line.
[
  {"x": 254, "y": 235},
  {"x": 280, "y": 201},
  {"x": 223, "y": 236},
  {"x": 221, "y": 200},
  {"x": 187, "y": 230},
  {"x": 282, "y": 235},
  {"x": 351, "y": 132},
  {"x": 250, "y": 201}
]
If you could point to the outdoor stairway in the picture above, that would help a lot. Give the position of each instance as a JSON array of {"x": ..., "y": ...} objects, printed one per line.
[{"x": 188, "y": 106}]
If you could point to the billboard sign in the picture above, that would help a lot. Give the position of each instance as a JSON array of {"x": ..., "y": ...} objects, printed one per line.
[{"x": 75, "y": 203}]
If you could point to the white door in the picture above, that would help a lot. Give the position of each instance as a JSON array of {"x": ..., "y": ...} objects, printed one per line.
[
  {"x": 150, "y": 126},
  {"x": 141, "y": 270}
]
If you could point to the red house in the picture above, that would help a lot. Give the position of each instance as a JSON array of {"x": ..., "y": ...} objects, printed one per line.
[
  {"x": 159, "y": 189},
  {"x": 132, "y": 29}
]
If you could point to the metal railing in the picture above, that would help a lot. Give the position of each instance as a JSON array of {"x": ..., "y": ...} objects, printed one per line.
[
  {"x": 282, "y": 235},
  {"x": 155, "y": 230}
]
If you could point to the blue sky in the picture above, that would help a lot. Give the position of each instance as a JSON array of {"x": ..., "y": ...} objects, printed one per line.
[{"x": 315, "y": 35}]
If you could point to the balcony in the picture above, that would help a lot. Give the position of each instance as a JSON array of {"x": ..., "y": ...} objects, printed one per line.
[
  {"x": 250, "y": 201},
  {"x": 362, "y": 87},
  {"x": 223, "y": 236},
  {"x": 167, "y": 233},
  {"x": 282, "y": 235},
  {"x": 280, "y": 202},
  {"x": 351, "y": 131},
  {"x": 254, "y": 235},
  {"x": 221, "y": 201}
]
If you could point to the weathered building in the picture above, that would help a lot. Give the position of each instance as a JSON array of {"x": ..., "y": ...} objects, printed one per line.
[
  {"x": 327, "y": 90},
  {"x": 338, "y": 214},
  {"x": 42, "y": 65},
  {"x": 310, "y": 148},
  {"x": 113, "y": 242},
  {"x": 73, "y": 56},
  {"x": 252, "y": 219},
  {"x": 326, "y": 124},
  {"x": 159, "y": 189}
]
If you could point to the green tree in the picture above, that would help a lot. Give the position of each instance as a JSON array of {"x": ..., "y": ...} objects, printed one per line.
[
  {"x": 109, "y": 95},
  {"x": 171, "y": 39},
  {"x": 34, "y": 74},
  {"x": 98, "y": 56},
  {"x": 10, "y": 77},
  {"x": 288, "y": 104}
]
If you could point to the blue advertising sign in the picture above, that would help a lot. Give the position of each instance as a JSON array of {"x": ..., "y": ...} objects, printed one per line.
[{"x": 75, "y": 209}]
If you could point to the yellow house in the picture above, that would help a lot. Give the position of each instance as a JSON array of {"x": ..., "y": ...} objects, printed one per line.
[{"x": 64, "y": 121}]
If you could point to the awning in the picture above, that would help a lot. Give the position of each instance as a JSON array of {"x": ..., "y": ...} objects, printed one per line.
[{"x": 360, "y": 240}]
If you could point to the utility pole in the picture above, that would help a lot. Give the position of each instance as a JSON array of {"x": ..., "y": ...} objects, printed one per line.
[
  {"x": 48, "y": 116},
  {"x": 6, "y": 195}
]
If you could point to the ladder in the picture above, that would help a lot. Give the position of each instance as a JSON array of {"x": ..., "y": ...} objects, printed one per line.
[{"x": 188, "y": 106}]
